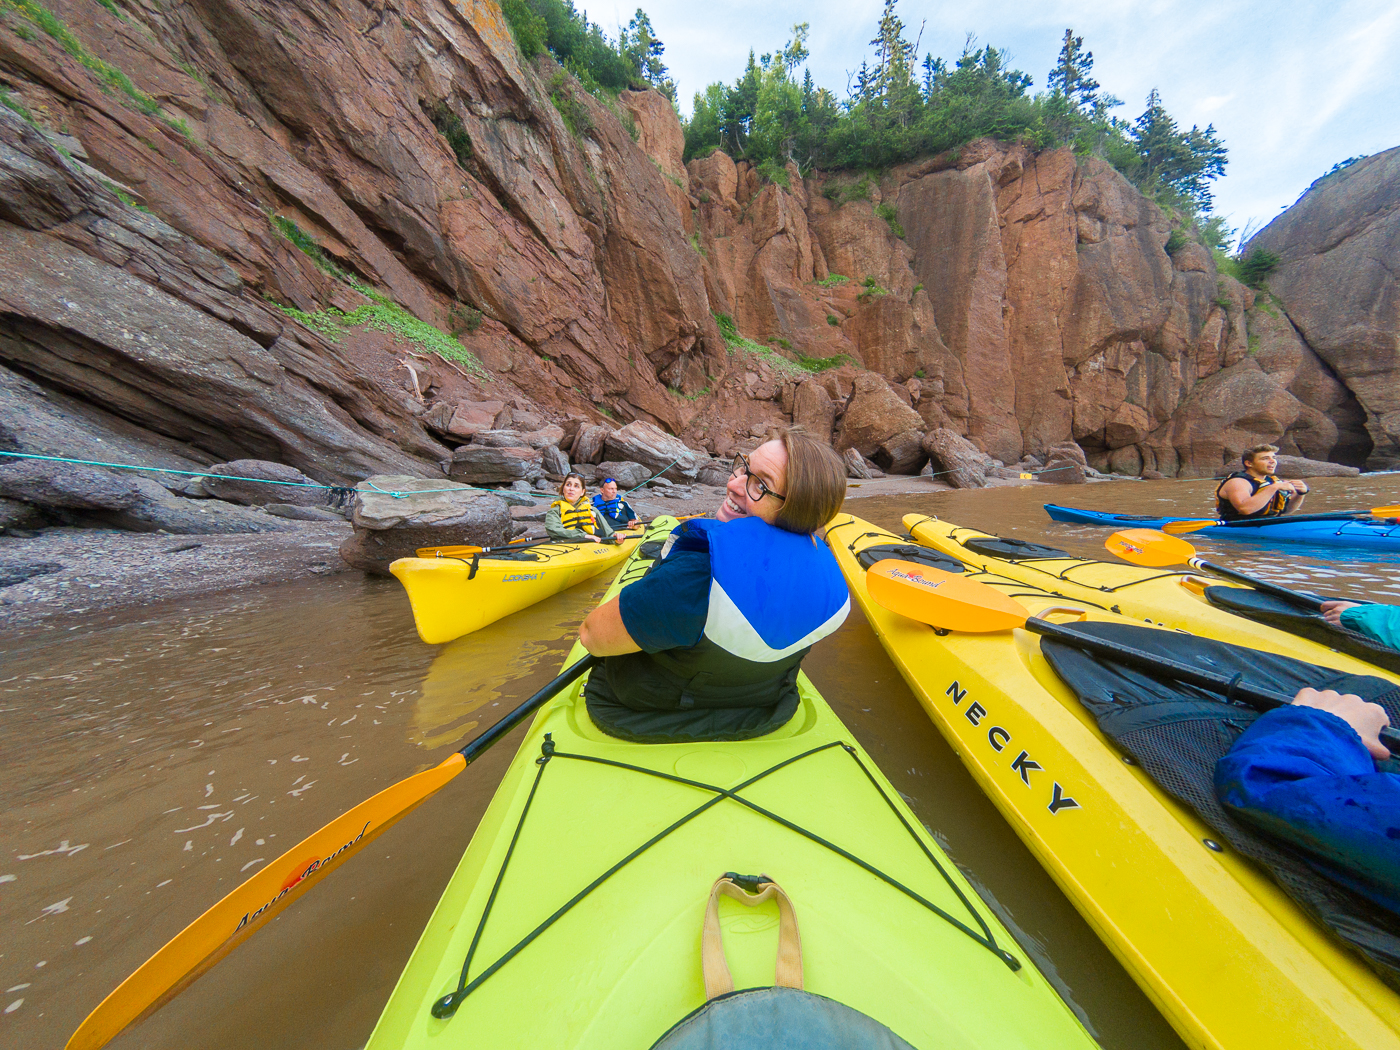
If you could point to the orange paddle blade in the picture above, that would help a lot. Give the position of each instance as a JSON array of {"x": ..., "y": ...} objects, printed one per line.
[
  {"x": 1386, "y": 512},
  {"x": 231, "y": 921},
  {"x": 1150, "y": 548},
  {"x": 1176, "y": 528},
  {"x": 941, "y": 599}
]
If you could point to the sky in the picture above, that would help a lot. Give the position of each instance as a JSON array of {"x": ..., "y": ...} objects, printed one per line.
[{"x": 1292, "y": 87}]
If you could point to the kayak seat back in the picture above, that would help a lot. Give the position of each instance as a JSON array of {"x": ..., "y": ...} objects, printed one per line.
[
  {"x": 1177, "y": 733},
  {"x": 1013, "y": 550},
  {"x": 907, "y": 552}
]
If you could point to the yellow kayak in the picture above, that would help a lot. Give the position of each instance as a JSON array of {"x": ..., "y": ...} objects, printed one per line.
[
  {"x": 454, "y": 595},
  {"x": 579, "y": 916},
  {"x": 1230, "y": 959},
  {"x": 1166, "y": 597}
]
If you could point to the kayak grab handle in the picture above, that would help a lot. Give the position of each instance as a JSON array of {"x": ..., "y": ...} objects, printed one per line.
[{"x": 1065, "y": 610}]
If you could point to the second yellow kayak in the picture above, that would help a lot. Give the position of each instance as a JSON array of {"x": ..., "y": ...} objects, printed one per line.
[
  {"x": 453, "y": 596},
  {"x": 1230, "y": 960}
]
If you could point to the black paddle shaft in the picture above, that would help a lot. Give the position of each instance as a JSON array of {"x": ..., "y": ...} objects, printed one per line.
[
  {"x": 1307, "y": 601},
  {"x": 1227, "y": 686},
  {"x": 475, "y": 749}
]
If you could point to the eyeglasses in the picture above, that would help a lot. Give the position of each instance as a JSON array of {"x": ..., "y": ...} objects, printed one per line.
[{"x": 752, "y": 480}]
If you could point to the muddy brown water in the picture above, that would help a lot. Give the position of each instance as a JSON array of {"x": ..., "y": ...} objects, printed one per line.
[{"x": 151, "y": 762}]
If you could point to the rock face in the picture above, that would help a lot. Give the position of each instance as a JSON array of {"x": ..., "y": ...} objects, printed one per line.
[
  {"x": 954, "y": 459},
  {"x": 367, "y": 264},
  {"x": 1339, "y": 288},
  {"x": 394, "y": 515},
  {"x": 280, "y": 484}
]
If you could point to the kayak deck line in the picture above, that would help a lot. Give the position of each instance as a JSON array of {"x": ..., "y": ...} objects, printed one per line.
[{"x": 446, "y": 1006}]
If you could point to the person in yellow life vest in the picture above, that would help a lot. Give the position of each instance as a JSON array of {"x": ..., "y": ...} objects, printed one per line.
[
  {"x": 1254, "y": 492},
  {"x": 574, "y": 518}
]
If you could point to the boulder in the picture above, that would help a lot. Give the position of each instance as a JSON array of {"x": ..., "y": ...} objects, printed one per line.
[
  {"x": 553, "y": 461},
  {"x": 293, "y": 512},
  {"x": 813, "y": 410},
  {"x": 219, "y": 482},
  {"x": 551, "y": 436},
  {"x": 394, "y": 515},
  {"x": 156, "y": 510},
  {"x": 500, "y": 439},
  {"x": 589, "y": 444},
  {"x": 855, "y": 464},
  {"x": 627, "y": 475},
  {"x": 956, "y": 460},
  {"x": 875, "y": 414},
  {"x": 15, "y": 514},
  {"x": 1299, "y": 467},
  {"x": 1063, "y": 469},
  {"x": 479, "y": 465},
  {"x": 903, "y": 453},
  {"x": 644, "y": 443},
  {"x": 716, "y": 473},
  {"x": 471, "y": 417},
  {"x": 66, "y": 485}
]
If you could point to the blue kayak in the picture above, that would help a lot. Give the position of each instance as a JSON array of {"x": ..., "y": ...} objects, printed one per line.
[{"x": 1321, "y": 530}]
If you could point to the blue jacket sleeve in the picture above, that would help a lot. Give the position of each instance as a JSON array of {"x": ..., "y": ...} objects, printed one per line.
[
  {"x": 1304, "y": 776},
  {"x": 1381, "y": 622}
]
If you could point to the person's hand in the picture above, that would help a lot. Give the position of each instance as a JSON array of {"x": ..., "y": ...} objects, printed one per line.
[
  {"x": 1332, "y": 611},
  {"x": 594, "y": 539},
  {"x": 1367, "y": 719},
  {"x": 1299, "y": 487}
]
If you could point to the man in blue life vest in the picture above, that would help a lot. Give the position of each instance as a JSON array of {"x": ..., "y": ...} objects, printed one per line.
[
  {"x": 612, "y": 506},
  {"x": 707, "y": 645},
  {"x": 1306, "y": 774},
  {"x": 1255, "y": 492}
]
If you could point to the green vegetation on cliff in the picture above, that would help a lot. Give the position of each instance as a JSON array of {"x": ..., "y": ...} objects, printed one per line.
[
  {"x": 899, "y": 108},
  {"x": 581, "y": 46}
]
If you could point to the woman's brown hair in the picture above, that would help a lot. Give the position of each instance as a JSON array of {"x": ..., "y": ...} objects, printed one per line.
[{"x": 816, "y": 482}]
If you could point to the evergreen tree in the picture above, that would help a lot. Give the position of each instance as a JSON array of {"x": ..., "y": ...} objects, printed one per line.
[
  {"x": 643, "y": 50},
  {"x": 1071, "y": 78}
]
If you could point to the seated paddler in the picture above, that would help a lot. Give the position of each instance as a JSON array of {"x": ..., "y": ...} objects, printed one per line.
[
  {"x": 614, "y": 508},
  {"x": 707, "y": 645},
  {"x": 573, "y": 518},
  {"x": 1380, "y": 623},
  {"x": 1306, "y": 774},
  {"x": 1255, "y": 492}
]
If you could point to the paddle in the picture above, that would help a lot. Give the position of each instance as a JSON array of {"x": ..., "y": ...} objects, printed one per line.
[
  {"x": 1176, "y": 528},
  {"x": 232, "y": 920},
  {"x": 947, "y": 601},
  {"x": 1151, "y": 549}
]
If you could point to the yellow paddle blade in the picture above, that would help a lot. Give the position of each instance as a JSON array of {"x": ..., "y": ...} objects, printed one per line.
[
  {"x": 1386, "y": 512},
  {"x": 1150, "y": 548},
  {"x": 228, "y": 923},
  {"x": 941, "y": 599},
  {"x": 1176, "y": 528}
]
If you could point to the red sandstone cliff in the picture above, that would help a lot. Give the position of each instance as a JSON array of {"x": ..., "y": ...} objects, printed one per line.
[{"x": 156, "y": 283}]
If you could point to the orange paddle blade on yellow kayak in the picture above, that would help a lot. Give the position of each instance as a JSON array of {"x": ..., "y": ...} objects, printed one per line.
[
  {"x": 231, "y": 921},
  {"x": 1150, "y": 548},
  {"x": 943, "y": 599}
]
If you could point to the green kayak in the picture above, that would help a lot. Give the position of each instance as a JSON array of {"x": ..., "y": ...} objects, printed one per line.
[{"x": 576, "y": 916}]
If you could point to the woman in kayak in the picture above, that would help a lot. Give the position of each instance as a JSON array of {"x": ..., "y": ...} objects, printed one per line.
[
  {"x": 573, "y": 518},
  {"x": 1254, "y": 492},
  {"x": 1307, "y": 774},
  {"x": 707, "y": 646}
]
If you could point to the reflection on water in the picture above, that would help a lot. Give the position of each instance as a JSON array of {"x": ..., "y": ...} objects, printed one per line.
[{"x": 150, "y": 765}]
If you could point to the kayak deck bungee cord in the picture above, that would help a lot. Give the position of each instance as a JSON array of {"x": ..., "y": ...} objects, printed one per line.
[
  {"x": 1180, "y": 599},
  {"x": 455, "y": 594},
  {"x": 575, "y": 917},
  {"x": 1228, "y": 957}
]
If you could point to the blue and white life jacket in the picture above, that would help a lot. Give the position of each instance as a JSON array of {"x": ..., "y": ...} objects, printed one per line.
[{"x": 773, "y": 594}]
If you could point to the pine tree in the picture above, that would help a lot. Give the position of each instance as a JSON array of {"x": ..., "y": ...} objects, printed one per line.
[{"x": 1071, "y": 78}]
